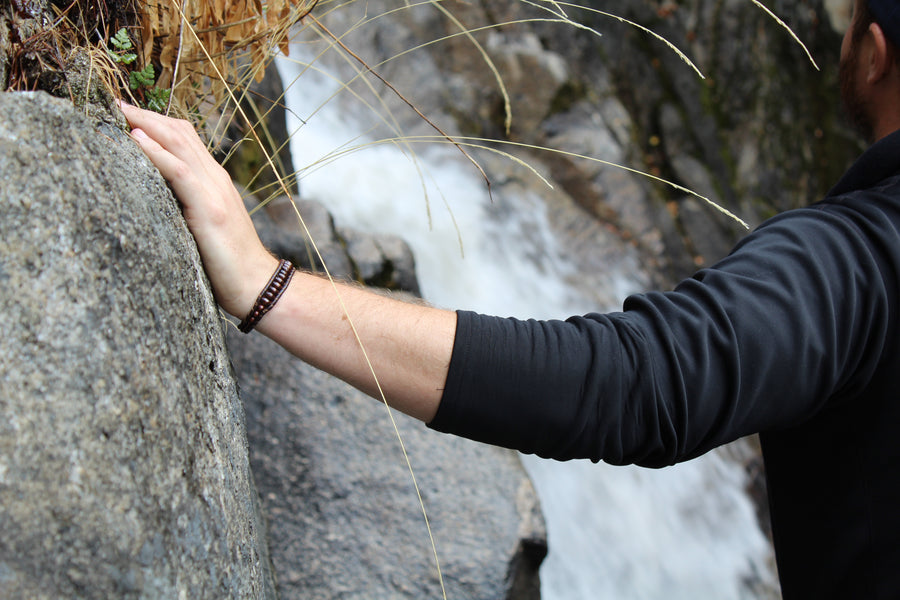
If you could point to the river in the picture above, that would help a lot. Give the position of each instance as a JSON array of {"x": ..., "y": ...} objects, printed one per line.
[{"x": 619, "y": 533}]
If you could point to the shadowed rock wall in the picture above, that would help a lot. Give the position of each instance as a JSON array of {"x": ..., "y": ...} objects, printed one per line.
[{"x": 123, "y": 455}]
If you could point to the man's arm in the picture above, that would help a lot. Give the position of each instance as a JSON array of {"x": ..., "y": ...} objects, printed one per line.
[{"x": 409, "y": 345}]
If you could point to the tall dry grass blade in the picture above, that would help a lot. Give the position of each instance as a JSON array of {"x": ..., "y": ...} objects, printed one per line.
[
  {"x": 789, "y": 30},
  {"x": 485, "y": 144},
  {"x": 405, "y": 101},
  {"x": 177, "y": 60},
  {"x": 650, "y": 32}
]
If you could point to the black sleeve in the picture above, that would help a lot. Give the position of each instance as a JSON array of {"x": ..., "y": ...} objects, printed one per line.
[{"x": 793, "y": 319}]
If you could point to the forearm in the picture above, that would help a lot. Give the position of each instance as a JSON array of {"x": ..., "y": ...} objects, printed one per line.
[{"x": 406, "y": 346}]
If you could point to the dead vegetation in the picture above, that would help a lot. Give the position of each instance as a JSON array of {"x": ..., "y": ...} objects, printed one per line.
[{"x": 196, "y": 50}]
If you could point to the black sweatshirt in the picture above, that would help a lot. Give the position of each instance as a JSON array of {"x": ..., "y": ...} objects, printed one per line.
[{"x": 793, "y": 335}]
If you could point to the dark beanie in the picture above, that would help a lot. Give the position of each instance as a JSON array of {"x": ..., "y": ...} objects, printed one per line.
[{"x": 887, "y": 15}]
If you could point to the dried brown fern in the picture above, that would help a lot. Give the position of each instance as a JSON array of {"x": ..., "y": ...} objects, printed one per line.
[{"x": 198, "y": 43}]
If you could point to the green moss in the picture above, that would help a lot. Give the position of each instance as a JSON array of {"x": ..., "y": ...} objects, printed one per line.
[{"x": 567, "y": 96}]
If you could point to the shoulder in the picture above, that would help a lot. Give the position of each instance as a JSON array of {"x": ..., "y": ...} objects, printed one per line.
[{"x": 862, "y": 225}]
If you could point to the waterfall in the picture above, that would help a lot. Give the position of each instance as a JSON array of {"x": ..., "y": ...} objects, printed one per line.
[{"x": 621, "y": 533}]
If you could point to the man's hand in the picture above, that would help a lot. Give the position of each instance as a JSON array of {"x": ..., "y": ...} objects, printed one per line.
[
  {"x": 235, "y": 260},
  {"x": 407, "y": 346}
]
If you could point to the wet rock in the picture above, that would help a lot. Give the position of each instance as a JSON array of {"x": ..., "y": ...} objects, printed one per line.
[{"x": 384, "y": 261}]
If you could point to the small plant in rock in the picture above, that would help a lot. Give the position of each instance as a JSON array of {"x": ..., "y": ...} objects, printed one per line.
[
  {"x": 121, "y": 51},
  {"x": 144, "y": 80}
]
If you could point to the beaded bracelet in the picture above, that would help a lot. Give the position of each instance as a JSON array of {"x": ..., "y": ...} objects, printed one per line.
[{"x": 269, "y": 296}]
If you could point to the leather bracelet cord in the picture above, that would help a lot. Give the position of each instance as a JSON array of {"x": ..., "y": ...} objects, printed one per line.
[{"x": 269, "y": 296}]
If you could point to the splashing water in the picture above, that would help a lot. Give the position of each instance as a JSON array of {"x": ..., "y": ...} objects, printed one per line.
[{"x": 621, "y": 533}]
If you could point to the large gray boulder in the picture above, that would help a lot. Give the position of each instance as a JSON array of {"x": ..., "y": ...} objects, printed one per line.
[{"x": 123, "y": 456}]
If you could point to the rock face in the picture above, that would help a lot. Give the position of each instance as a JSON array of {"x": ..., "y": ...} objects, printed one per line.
[{"x": 123, "y": 454}]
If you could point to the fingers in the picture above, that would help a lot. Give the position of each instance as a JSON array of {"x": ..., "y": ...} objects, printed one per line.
[
  {"x": 177, "y": 172},
  {"x": 168, "y": 164},
  {"x": 174, "y": 147},
  {"x": 176, "y": 136},
  {"x": 173, "y": 134},
  {"x": 234, "y": 258}
]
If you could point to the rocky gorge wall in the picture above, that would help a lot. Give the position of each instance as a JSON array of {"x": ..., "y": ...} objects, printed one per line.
[{"x": 760, "y": 132}]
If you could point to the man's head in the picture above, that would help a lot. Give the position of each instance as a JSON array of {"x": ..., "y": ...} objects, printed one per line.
[{"x": 869, "y": 68}]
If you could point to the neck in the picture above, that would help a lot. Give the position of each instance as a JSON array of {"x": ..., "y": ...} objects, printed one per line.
[{"x": 889, "y": 119}]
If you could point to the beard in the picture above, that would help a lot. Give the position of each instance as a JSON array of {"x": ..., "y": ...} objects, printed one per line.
[{"x": 855, "y": 108}]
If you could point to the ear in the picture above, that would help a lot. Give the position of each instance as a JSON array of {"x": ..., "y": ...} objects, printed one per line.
[{"x": 881, "y": 58}]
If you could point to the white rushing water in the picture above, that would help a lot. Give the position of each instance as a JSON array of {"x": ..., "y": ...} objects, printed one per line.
[{"x": 615, "y": 532}]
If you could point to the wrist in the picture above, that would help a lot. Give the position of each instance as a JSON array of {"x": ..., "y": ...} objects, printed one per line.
[
  {"x": 266, "y": 300},
  {"x": 251, "y": 280}
]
